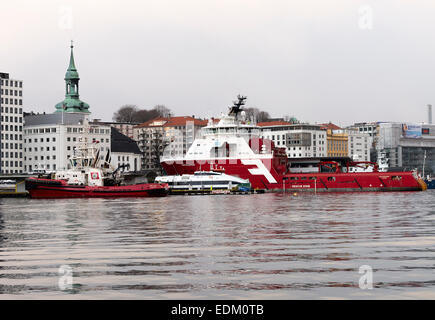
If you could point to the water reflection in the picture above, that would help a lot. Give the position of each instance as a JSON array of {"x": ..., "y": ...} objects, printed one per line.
[{"x": 277, "y": 246}]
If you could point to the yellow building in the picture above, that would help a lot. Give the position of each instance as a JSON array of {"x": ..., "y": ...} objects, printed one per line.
[{"x": 337, "y": 142}]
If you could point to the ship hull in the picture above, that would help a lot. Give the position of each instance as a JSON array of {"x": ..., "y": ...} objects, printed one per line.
[
  {"x": 262, "y": 175},
  {"x": 52, "y": 189}
]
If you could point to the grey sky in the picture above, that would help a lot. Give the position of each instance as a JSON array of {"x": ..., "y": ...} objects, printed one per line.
[{"x": 317, "y": 60}]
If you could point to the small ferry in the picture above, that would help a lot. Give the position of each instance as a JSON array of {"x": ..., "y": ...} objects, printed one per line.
[
  {"x": 7, "y": 187},
  {"x": 205, "y": 182},
  {"x": 7, "y": 184}
]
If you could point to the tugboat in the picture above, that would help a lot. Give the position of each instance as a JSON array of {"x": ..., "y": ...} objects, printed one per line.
[
  {"x": 89, "y": 177},
  {"x": 238, "y": 148}
]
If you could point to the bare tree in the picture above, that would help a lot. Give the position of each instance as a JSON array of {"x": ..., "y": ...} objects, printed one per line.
[
  {"x": 125, "y": 113},
  {"x": 162, "y": 110},
  {"x": 132, "y": 114},
  {"x": 263, "y": 116},
  {"x": 258, "y": 115},
  {"x": 145, "y": 115}
]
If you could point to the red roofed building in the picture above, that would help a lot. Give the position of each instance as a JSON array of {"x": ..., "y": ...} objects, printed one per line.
[
  {"x": 172, "y": 135},
  {"x": 330, "y": 126}
]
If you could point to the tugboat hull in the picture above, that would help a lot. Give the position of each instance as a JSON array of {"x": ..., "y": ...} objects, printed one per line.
[{"x": 52, "y": 189}]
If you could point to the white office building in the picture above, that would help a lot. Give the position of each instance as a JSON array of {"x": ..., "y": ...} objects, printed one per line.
[
  {"x": 359, "y": 145},
  {"x": 50, "y": 140},
  {"x": 11, "y": 146},
  {"x": 299, "y": 140}
]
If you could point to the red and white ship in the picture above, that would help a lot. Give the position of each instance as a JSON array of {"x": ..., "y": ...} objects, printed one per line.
[{"x": 234, "y": 146}]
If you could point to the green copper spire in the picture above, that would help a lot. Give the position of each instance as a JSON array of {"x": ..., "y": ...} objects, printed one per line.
[
  {"x": 72, "y": 103},
  {"x": 72, "y": 73}
]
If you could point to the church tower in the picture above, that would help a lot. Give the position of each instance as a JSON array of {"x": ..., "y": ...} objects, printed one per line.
[{"x": 72, "y": 103}]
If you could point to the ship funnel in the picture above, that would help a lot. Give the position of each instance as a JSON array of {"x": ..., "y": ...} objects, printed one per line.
[{"x": 429, "y": 113}]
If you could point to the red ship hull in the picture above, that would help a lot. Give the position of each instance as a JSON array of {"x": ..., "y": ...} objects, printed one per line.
[
  {"x": 50, "y": 189},
  {"x": 263, "y": 175}
]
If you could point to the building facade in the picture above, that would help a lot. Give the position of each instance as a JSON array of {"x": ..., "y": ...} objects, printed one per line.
[
  {"x": 11, "y": 137},
  {"x": 124, "y": 152},
  {"x": 359, "y": 145},
  {"x": 51, "y": 139},
  {"x": 408, "y": 146},
  {"x": 172, "y": 135},
  {"x": 337, "y": 143},
  {"x": 126, "y": 128},
  {"x": 372, "y": 130},
  {"x": 300, "y": 140}
]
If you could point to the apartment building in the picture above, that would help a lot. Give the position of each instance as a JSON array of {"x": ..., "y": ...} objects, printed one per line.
[{"x": 299, "y": 139}]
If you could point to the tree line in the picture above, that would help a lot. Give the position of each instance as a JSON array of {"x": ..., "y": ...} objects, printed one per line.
[{"x": 133, "y": 114}]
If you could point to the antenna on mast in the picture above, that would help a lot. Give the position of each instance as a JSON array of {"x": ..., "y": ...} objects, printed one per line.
[{"x": 237, "y": 107}]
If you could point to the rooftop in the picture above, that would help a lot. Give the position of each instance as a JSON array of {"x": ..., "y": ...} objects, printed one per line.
[
  {"x": 273, "y": 123},
  {"x": 53, "y": 118},
  {"x": 329, "y": 125},
  {"x": 122, "y": 143},
  {"x": 171, "y": 122}
]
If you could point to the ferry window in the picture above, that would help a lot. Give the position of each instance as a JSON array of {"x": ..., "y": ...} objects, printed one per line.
[
  {"x": 331, "y": 178},
  {"x": 312, "y": 178},
  {"x": 303, "y": 178},
  {"x": 293, "y": 178},
  {"x": 396, "y": 178}
]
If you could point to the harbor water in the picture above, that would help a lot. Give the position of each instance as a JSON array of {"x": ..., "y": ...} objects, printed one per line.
[{"x": 258, "y": 246}]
